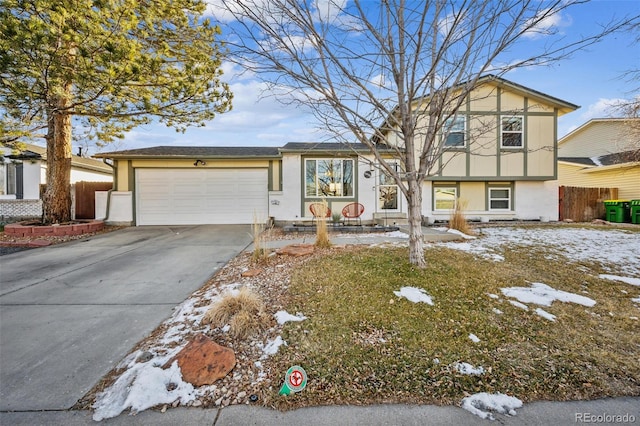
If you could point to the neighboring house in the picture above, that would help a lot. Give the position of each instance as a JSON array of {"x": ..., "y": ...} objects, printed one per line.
[
  {"x": 507, "y": 171},
  {"x": 22, "y": 173},
  {"x": 602, "y": 153}
]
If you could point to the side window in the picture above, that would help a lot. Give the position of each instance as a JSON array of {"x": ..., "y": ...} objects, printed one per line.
[
  {"x": 499, "y": 198},
  {"x": 454, "y": 132},
  {"x": 511, "y": 132}
]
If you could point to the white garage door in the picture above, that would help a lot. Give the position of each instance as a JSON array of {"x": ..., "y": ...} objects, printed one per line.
[{"x": 204, "y": 196}]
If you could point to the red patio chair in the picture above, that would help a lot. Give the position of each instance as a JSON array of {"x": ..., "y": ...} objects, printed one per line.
[
  {"x": 317, "y": 209},
  {"x": 353, "y": 211}
]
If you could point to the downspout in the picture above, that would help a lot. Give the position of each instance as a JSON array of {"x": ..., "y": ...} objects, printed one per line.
[{"x": 114, "y": 170}]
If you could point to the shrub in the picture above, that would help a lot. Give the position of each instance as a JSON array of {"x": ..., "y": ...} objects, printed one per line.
[
  {"x": 322, "y": 235},
  {"x": 244, "y": 311},
  {"x": 457, "y": 219}
]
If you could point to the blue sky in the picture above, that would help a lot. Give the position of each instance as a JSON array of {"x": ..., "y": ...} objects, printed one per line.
[{"x": 592, "y": 78}]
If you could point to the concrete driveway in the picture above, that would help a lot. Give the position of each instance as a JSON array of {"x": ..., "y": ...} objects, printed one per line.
[{"x": 70, "y": 312}]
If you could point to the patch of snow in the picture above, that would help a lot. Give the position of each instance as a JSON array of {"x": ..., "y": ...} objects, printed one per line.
[
  {"x": 578, "y": 244},
  {"x": 596, "y": 160},
  {"x": 482, "y": 404},
  {"x": 396, "y": 234},
  {"x": 468, "y": 369},
  {"x": 414, "y": 294},
  {"x": 542, "y": 294},
  {"x": 628, "y": 280},
  {"x": 474, "y": 338},
  {"x": 497, "y": 311},
  {"x": 636, "y": 300},
  {"x": 143, "y": 386},
  {"x": 546, "y": 315},
  {"x": 284, "y": 316},
  {"x": 461, "y": 234},
  {"x": 226, "y": 328},
  {"x": 519, "y": 305},
  {"x": 493, "y": 296},
  {"x": 272, "y": 346}
]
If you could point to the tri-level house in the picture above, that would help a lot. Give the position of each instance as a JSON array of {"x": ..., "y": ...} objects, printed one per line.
[{"x": 500, "y": 157}]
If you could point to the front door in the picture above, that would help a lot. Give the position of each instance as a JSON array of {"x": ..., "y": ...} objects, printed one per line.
[{"x": 387, "y": 191}]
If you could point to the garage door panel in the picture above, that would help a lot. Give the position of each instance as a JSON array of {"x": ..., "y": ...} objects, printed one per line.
[{"x": 204, "y": 196}]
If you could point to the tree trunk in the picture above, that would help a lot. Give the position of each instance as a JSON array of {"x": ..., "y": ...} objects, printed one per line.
[
  {"x": 57, "y": 197},
  {"x": 416, "y": 240}
]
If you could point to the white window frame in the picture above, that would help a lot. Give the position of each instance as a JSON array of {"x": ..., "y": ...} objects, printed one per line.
[
  {"x": 339, "y": 186},
  {"x": 443, "y": 189},
  {"x": 507, "y": 198},
  {"x": 511, "y": 132},
  {"x": 449, "y": 125}
]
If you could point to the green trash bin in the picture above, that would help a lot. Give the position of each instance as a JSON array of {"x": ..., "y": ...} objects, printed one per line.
[
  {"x": 635, "y": 211},
  {"x": 617, "y": 211}
]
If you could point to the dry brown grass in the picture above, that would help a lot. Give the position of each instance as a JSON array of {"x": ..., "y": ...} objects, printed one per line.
[
  {"x": 457, "y": 220},
  {"x": 244, "y": 312},
  {"x": 260, "y": 252},
  {"x": 322, "y": 234}
]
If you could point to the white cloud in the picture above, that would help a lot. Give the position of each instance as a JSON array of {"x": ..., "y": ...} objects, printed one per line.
[
  {"x": 601, "y": 109},
  {"x": 547, "y": 25}
]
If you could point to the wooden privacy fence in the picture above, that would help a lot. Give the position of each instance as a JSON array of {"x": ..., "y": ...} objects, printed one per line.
[
  {"x": 86, "y": 198},
  {"x": 584, "y": 204}
]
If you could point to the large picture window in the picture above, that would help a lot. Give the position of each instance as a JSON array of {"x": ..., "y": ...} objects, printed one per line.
[
  {"x": 453, "y": 132},
  {"x": 328, "y": 177},
  {"x": 511, "y": 135},
  {"x": 444, "y": 198}
]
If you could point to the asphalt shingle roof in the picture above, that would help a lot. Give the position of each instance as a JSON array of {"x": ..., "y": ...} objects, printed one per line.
[{"x": 195, "y": 151}]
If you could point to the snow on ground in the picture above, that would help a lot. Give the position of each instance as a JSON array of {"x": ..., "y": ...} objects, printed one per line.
[
  {"x": 145, "y": 383},
  {"x": 482, "y": 404},
  {"x": 414, "y": 294},
  {"x": 272, "y": 346},
  {"x": 628, "y": 280},
  {"x": 461, "y": 234},
  {"x": 636, "y": 300},
  {"x": 618, "y": 250},
  {"x": 468, "y": 369},
  {"x": 544, "y": 314},
  {"x": 542, "y": 294},
  {"x": 474, "y": 338},
  {"x": 284, "y": 316}
]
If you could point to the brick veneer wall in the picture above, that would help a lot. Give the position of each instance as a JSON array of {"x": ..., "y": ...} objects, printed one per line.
[{"x": 15, "y": 210}]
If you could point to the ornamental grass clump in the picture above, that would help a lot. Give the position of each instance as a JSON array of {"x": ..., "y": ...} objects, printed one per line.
[
  {"x": 260, "y": 252},
  {"x": 322, "y": 234},
  {"x": 457, "y": 220},
  {"x": 243, "y": 311}
]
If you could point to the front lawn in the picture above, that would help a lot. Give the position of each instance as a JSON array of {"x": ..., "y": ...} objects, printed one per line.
[{"x": 363, "y": 344}]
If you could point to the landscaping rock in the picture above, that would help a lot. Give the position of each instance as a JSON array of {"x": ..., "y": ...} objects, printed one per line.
[
  {"x": 296, "y": 250},
  {"x": 203, "y": 361},
  {"x": 251, "y": 273}
]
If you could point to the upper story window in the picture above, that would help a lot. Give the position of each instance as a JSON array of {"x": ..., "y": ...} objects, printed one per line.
[
  {"x": 328, "y": 177},
  {"x": 454, "y": 131},
  {"x": 511, "y": 131}
]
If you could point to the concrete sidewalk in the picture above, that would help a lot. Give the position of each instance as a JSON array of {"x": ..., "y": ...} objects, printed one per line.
[
  {"x": 602, "y": 411},
  {"x": 372, "y": 238}
]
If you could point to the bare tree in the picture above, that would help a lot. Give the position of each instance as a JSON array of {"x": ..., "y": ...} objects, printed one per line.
[{"x": 393, "y": 72}]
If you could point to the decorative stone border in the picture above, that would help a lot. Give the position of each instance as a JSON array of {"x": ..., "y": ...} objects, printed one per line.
[{"x": 25, "y": 229}]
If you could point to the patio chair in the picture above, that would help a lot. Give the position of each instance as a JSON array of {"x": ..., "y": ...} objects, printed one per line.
[
  {"x": 317, "y": 210},
  {"x": 353, "y": 211}
]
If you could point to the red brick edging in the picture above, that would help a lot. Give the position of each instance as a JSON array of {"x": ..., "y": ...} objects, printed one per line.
[{"x": 25, "y": 229}]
